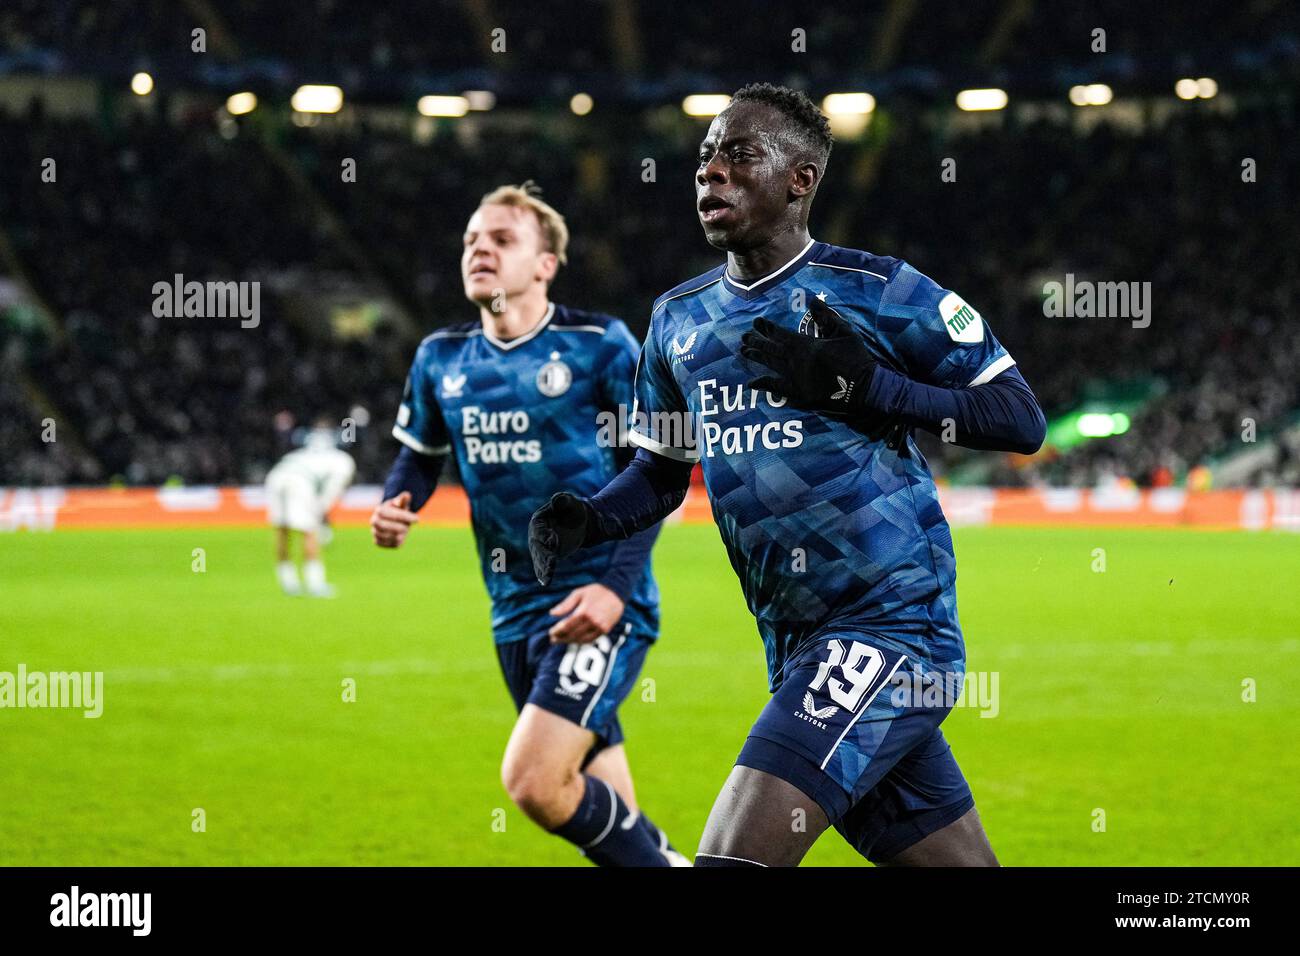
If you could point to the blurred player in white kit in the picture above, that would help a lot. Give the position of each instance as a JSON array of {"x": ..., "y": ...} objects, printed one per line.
[{"x": 300, "y": 491}]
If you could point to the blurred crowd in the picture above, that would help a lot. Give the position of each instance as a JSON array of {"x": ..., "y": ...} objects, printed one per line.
[
  {"x": 1166, "y": 205},
  {"x": 148, "y": 397},
  {"x": 648, "y": 40},
  {"x": 144, "y": 399}
]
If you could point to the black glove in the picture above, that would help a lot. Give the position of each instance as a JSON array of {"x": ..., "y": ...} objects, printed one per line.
[
  {"x": 827, "y": 373},
  {"x": 557, "y": 529}
]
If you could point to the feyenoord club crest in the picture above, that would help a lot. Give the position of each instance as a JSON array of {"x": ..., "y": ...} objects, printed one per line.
[
  {"x": 807, "y": 325},
  {"x": 554, "y": 378}
]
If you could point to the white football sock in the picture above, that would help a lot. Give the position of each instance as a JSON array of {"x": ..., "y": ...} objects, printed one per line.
[
  {"x": 313, "y": 573},
  {"x": 288, "y": 575}
]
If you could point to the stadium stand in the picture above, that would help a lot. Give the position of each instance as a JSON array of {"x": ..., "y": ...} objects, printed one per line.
[{"x": 1154, "y": 193}]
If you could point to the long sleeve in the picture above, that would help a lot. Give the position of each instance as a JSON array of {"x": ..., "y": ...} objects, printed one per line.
[
  {"x": 999, "y": 415},
  {"x": 415, "y": 473},
  {"x": 628, "y": 562},
  {"x": 648, "y": 490},
  {"x": 337, "y": 476}
]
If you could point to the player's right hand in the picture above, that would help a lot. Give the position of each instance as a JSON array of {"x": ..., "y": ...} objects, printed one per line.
[
  {"x": 827, "y": 372},
  {"x": 557, "y": 529},
  {"x": 391, "y": 521}
]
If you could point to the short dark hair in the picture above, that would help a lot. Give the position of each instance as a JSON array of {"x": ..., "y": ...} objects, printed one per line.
[{"x": 807, "y": 123}]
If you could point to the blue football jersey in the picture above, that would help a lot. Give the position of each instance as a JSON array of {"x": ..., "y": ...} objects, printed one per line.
[
  {"x": 523, "y": 418},
  {"x": 824, "y": 526}
]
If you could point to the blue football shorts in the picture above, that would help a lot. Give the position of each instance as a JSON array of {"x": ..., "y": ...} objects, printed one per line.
[
  {"x": 583, "y": 683},
  {"x": 851, "y": 729}
]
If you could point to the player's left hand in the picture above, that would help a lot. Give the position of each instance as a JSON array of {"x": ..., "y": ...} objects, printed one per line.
[
  {"x": 555, "y": 530},
  {"x": 827, "y": 373},
  {"x": 592, "y": 610}
]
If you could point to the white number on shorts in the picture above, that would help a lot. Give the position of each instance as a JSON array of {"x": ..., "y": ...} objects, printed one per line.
[
  {"x": 586, "y": 662},
  {"x": 860, "y": 668}
]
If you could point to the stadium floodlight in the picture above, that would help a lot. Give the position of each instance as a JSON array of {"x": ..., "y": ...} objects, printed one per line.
[
  {"x": 1102, "y": 424},
  {"x": 1093, "y": 94},
  {"x": 848, "y": 104},
  {"x": 978, "y": 100},
  {"x": 1095, "y": 425},
  {"x": 480, "y": 99},
  {"x": 442, "y": 105},
  {"x": 142, "y": 84},
  {"x": 1099, "y": 94},
  {"x": 317, "y": 99},
  {"x": 705, "y": 104},
  {"x": 240, "y": 103},
  {"x": 1203, "y": 89},
  {"x": 581, "y": 103}
]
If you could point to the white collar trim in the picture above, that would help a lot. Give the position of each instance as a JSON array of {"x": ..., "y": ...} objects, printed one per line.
[
  {"x": 770, "y": 275},
  {"x": 508, "y": 344}
]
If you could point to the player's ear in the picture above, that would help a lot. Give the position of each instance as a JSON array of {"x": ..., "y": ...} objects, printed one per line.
[
  {"x": 548, "y": 263},
  {"x": 803, "y": 179}
]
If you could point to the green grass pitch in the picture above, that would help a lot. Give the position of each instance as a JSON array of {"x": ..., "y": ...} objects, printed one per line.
[{"x": 1120, "y": 693}]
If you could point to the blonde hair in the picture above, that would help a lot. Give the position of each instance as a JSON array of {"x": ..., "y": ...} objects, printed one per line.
[{"x": 528, "y": 195}]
